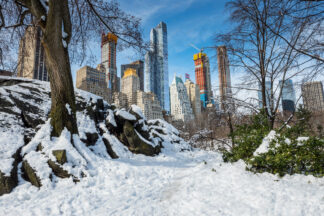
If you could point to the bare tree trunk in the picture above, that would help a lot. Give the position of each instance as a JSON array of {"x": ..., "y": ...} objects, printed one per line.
[{"x": 63, "y": 107}]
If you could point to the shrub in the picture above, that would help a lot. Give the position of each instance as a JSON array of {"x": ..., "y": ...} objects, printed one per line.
[
  {"x": 294, "y": 149},
  {"x": 290, "y": 156},
  {"x": 247, "y": 138}
]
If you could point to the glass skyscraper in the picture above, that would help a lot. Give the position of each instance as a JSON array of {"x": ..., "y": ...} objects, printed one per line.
[
  {"x": 268, "y": 95},
  {"x": 156, "y": 65},
  {"x": 288, "y": 98}
]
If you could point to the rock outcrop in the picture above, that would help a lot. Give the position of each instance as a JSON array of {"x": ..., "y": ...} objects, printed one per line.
[{"x": 25, "y": 131}]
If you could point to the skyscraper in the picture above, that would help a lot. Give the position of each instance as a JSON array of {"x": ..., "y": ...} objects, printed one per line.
[
  {"x": 31, "y": 57},
  {"x": 156, "y": 66},
  {"x": 139, "y": 67},
  {"x": 194, "y": 96},
  {"x": 268, "y": 95},
  {"x": 108, "y": 60},
  {"x": 202, "y": 71},
  {"x": 288, "y": 98},
  {"x": 225, "y": 88},
  {"x": 180, "y": 102},
  {"x": 313, "y": 98},
  {"x": 130, "y": 85}
]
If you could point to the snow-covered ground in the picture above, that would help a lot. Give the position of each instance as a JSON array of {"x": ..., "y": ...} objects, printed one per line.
[{"x": 185, "y": 183}]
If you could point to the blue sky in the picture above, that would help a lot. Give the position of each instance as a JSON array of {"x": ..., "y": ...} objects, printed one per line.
[{"x": 188, "y": 21}]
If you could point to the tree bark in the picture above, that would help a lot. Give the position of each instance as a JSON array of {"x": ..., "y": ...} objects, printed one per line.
[{"x": 63, "y": 107}]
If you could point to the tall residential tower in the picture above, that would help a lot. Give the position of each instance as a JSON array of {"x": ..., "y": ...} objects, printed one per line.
[
  {"x": 202, "y": 71},
  {"x": 108, "y": 60},
  {"x": 156, "y": 66},
  {"x": 288, "y": 98},
  {"x": 31, "y": 57},
  {"x": 224, "y": 78}
]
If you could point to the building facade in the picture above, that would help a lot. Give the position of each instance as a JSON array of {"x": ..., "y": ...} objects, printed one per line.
[
  {"x": 131, "y": 94},
  {"x": 120, "y": 100},
  {"x": 312, "y": 93},
  {"x": 288, "y": 97},
  {"x": 194, "y": 97},
  {"x": 93, "y": 81},
  {"x": 225, "y": 88},
  {"x": 202, "y": 72},
  {"x": 130, "y": 85},
  {"x": 149, "y": 104},
  {"x": 31, "y": 57},
  {"x": 139, "y": 67},
  {"x": 108, "y": 60},
  {"x": 180, "y": 103},
  {"x": 269, "y": 101},
  {"x": 156, "y": 66}
]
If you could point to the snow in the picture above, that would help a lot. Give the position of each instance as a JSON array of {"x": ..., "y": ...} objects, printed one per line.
[
  {"x": 85, "y": 124},
  {"x": 126, "y": 115},
  {"x": 117, "y": 146},
  {"x": 301, "y": 139},
  {"x": 111, "y": 118},
  {"x": 64, "y": 43},
  {"x": 64, "y": 34},
  {"x": 145, "y": 140},
  {"x": 10, "y": 140},
  {"x": 45, "y": 4},
  {"x": 137, "y": 110},
  {"x": 264, "y": 147},
  {"x": 68, "y": 108},
  {"x": 161, "y": 123},
  {"x": 184, "y": 183}
]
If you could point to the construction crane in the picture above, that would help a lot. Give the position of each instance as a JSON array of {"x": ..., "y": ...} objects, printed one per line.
[{"x": 200, "y": 50}]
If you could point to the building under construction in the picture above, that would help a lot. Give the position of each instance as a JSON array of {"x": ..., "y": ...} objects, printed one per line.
[
  {"x": 225, "y": 89},
  {"x": 108, "y": 60},
  {"x": 202, "y": 72}
]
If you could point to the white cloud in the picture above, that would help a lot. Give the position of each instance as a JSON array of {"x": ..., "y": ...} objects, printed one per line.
[{"x": 146, "y": 9}]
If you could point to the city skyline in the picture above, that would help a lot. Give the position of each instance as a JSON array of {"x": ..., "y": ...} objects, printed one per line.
[
  {"x": 180, "y": 51},
  {"x": 184, "y": 29},
  {"x": 185, "y": 64}
]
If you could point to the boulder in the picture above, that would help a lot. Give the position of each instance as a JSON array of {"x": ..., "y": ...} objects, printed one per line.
[
  {"x": 30, "y": 174},
  {"x": 110, "y": 151},
  {"x": 7, "y": 183},
  {"x": 91, "y": 139},
  {"x": 58, "y": 170},
  {"x": 136, "y": 144},
  {"x": 60, "y": 156}
]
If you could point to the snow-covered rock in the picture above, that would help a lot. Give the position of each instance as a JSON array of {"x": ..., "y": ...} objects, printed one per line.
[{"x": 104, "y": 133}]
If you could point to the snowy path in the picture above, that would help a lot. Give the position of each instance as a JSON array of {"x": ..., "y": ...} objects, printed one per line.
[{"x": 171, "y": 184}]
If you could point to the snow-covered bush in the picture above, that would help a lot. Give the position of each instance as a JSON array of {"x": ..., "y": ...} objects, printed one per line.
[
  {"x": 293, "y": 149},
  {"x": 247, "y": 138},
  {"x": 289, "y": 156}
]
